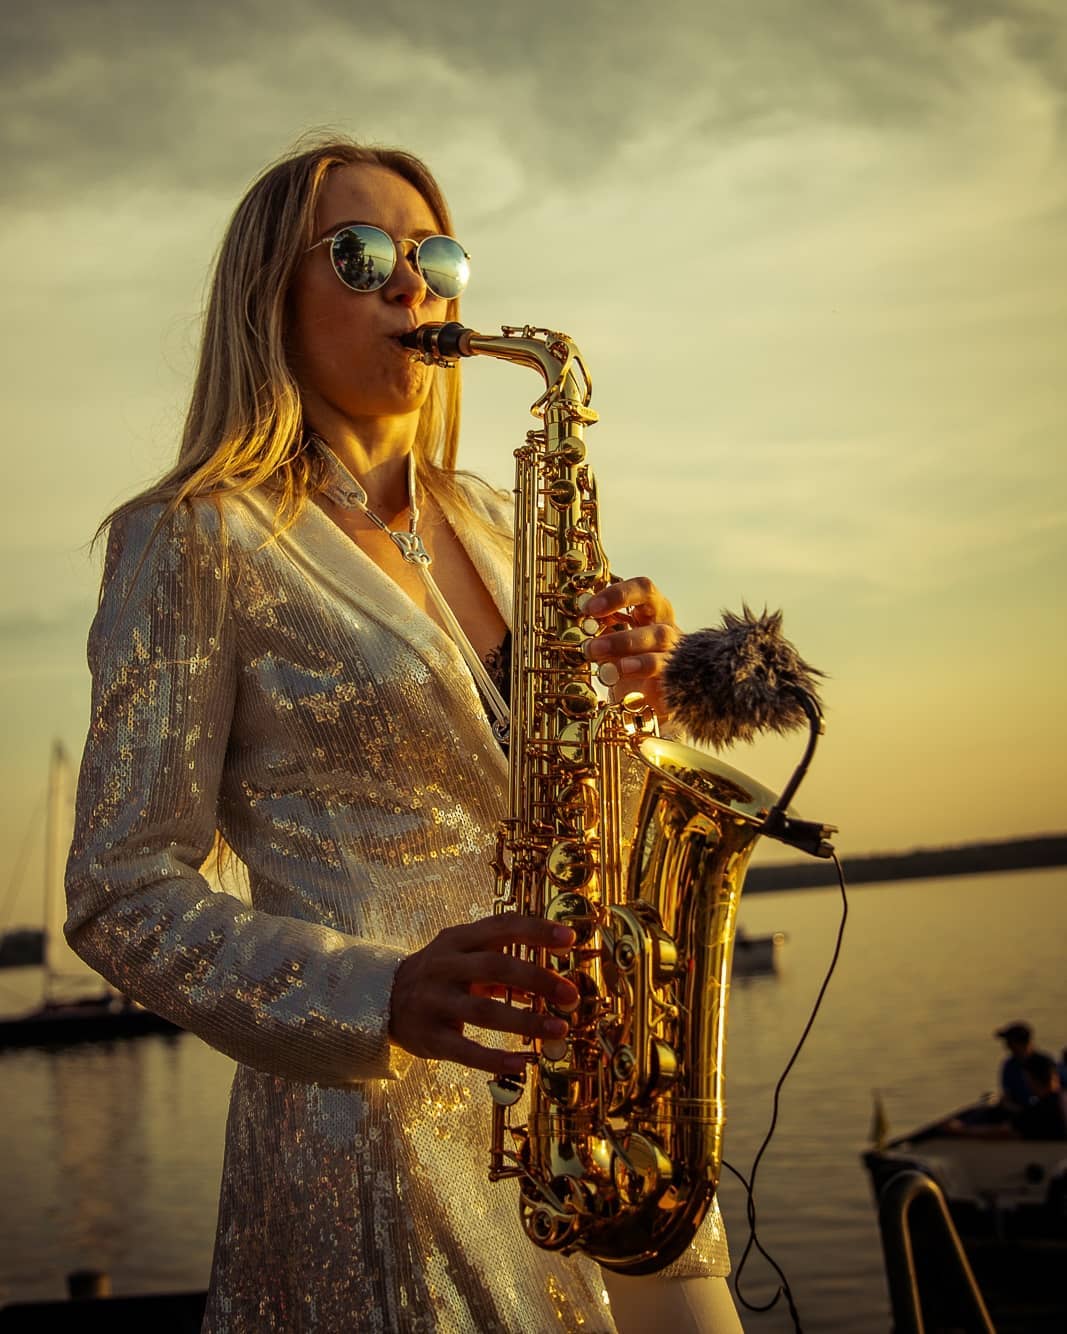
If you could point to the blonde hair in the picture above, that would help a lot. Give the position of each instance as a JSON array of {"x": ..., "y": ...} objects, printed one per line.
[{"x": 245, "y": 424}]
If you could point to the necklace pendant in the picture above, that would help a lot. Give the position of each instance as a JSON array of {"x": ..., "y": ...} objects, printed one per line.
[{"x": 411, "y": 548}]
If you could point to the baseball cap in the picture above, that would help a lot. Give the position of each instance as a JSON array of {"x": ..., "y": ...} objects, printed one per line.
[{"x": 1017, "y": 1032}]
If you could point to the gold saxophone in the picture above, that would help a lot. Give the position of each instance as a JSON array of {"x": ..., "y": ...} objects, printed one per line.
[{"x": 619, "y": 1150}]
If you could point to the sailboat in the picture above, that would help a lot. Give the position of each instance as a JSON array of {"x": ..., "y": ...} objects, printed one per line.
[{"x": 77, "y": 1005}]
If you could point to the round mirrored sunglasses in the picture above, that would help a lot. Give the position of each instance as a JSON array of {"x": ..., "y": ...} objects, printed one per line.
[{"x": 364, "y": 258}]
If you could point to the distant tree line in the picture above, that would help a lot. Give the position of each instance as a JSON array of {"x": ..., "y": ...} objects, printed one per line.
[{"x": 1018, "y": 854}]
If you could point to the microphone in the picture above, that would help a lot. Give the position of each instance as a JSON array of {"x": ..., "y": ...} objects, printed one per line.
[
  {"x": 743, "y": 677},
  {"x": 727, "y": 684}
]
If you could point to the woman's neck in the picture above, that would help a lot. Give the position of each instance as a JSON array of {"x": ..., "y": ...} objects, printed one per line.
[{"x": 376, "y": 453}]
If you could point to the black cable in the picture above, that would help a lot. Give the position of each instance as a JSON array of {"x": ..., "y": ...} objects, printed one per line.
[
  {"x": 785, "y": 1290},
  {"x": 750, "y": 1185}
]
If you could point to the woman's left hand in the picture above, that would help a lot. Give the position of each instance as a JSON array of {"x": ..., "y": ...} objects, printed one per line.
[{"x": 640, "y": 649}]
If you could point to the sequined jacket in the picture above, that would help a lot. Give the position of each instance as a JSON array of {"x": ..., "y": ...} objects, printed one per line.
[{"x": 287, "y": 692}]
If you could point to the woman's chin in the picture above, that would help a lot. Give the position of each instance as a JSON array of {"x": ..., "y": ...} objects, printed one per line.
[{"x": 402, "y": 397}]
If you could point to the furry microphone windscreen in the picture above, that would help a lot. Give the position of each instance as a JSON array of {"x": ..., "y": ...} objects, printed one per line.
[{"x": 727, "y": 684}]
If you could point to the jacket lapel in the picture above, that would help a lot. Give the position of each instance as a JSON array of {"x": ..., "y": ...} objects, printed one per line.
[{"x": 331, "y": 561}]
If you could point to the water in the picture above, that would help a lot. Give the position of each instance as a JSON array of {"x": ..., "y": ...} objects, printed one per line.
[{"x": 113, "y": 1152}]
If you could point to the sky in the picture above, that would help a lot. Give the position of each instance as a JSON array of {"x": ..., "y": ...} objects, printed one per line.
[{"x": 814, "y": 254}]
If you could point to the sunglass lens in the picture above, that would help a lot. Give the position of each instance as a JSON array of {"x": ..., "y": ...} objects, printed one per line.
[
  {"x": 363, "y": 257},
  {"x": 444, "y": 265}
]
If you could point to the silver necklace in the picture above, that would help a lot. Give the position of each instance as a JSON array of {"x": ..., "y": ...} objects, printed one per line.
[{"x": 345, "y": 492}]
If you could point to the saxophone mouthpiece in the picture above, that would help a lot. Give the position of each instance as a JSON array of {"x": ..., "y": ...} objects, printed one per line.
[
  {"x": 439, "y": 344},
  {"x": 727, "y": 684}
]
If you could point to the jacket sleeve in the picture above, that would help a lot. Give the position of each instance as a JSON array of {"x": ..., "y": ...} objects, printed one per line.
[{"x": 283, "y": 995}]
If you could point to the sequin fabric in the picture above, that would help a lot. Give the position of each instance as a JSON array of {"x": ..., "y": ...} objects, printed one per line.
[{"x": 288, "y": 692}]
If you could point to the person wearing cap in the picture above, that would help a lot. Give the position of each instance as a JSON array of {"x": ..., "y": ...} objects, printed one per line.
[
  {"x": 1016, "y": 1092},
  {"x": 1043, "y": 1118}
]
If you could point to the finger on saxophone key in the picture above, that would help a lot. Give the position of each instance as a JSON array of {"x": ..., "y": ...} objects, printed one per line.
[{"x": 565, "y": 996}]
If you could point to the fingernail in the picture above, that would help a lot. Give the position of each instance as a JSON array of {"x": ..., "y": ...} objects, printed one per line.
[
  {"x": 566, "y": 995},
  {"x": 628, "y": 666},
  {"x": 595, "y": 605},
  {"x": 562, "y": 935},
  {"x": 555, "y": 1028},
  {"x": 594, "y": 648}
]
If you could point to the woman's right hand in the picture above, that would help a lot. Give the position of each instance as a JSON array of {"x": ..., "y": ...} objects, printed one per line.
[{"x": 452, "y": 981}]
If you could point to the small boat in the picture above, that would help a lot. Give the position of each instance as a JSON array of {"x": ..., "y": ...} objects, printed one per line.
[
  {"x": 1006, "y": 1202},
  {"x": 77, "y": 1004},
  {"x": 22, "y": 947},
  {"x": 91, "y": 1019},
  {"x": 754, "y": 955}
]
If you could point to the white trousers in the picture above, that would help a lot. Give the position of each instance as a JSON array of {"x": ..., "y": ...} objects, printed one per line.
[{"x": 678, "y": 1305}]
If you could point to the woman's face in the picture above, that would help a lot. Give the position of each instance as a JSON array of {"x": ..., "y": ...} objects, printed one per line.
[{"x": 343, "y": 345}]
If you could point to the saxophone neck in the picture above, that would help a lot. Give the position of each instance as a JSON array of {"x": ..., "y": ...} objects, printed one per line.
[
  {"x": 541, "y": 349},
  {"x": 553, "y": 354}
]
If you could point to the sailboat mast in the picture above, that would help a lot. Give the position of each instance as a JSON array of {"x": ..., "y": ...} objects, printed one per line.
[{"x": 57, "y": 828}]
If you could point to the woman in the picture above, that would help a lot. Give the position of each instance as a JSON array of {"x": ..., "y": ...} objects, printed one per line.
[{"x": 267, "y": 664}]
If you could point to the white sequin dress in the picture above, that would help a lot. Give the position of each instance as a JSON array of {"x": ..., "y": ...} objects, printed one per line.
[{"x": 290, "y": 694}]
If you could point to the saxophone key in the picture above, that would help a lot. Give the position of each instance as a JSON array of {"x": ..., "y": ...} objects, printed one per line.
[
  {"x": 506, "y": 1090},
  {"x": 625, "y": 955},
  {"x": 576, "y": 806},
  {"x": 570, "y": 864},
  {"x": 571, "y": 449},
  {"x": 559, "y": 1082},
  {"x": 562, "y": 493},
  {"x": 555, "y": 1049},
  {"x": 642, "y": 1169},
  {"x": 664, "y": 1068},
  {"x": 623, "y": 1063},
  {"x": 548, "y": 1224},
  {"x": 575, "y": 911},
  {"x": 581, "y": 1014},
  {"x": 572, "y": 560},
  {"x": 578, "y": 699},
  {"x": 570, "y": 646}
]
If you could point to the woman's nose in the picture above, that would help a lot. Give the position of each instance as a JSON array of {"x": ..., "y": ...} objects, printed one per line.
[{"x": 406, "y": 284}]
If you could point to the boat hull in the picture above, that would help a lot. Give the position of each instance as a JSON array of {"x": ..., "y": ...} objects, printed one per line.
[
  {"x": 82, "y": 1021},
  {"x": 1008, "y": 1202}
]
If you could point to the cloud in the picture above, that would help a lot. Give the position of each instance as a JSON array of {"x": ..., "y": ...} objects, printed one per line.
[
  {"x": 197, "y": 96},
  {"x": 809, "y": 249}
]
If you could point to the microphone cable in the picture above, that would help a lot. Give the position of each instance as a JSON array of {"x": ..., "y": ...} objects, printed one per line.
[{"x": 784, "y": 1289}]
